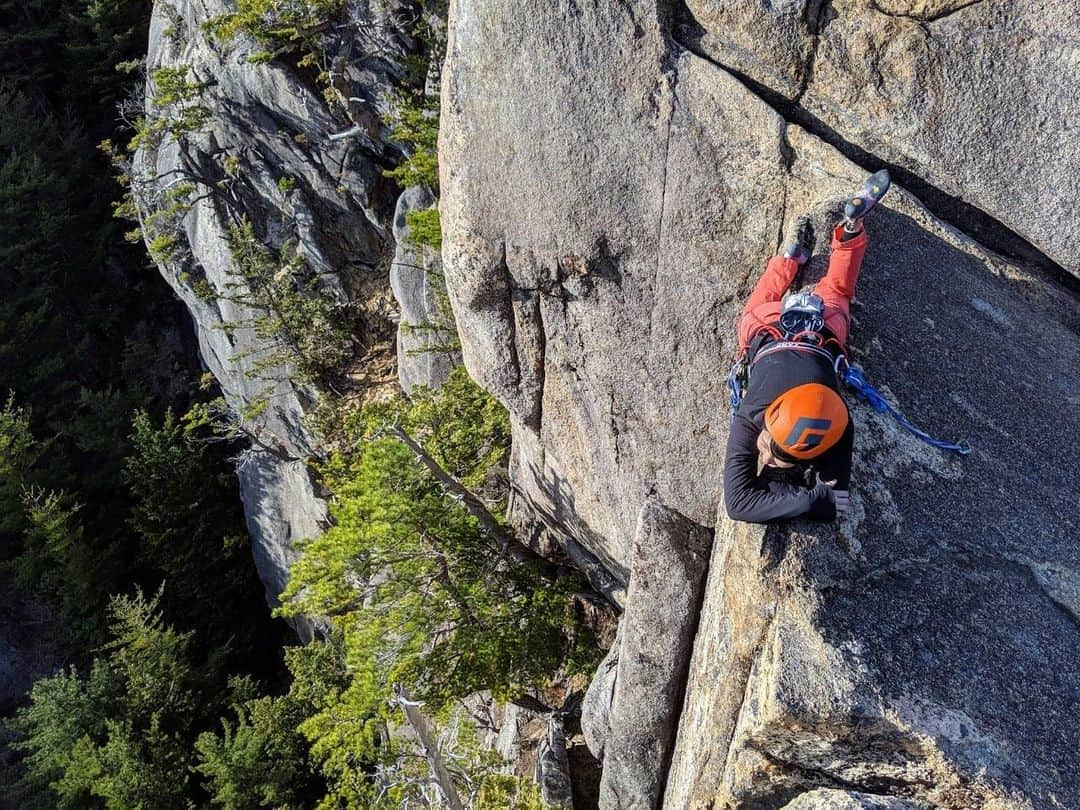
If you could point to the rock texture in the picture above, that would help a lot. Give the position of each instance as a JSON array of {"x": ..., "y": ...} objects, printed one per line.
[
  {"x": 667, "y": 573},
  {"x": 596, "y": 705},
  {"x": 275, "y": 125},
  {"x": 553, "y": 766},
  {"x": 828, "y": 799},
  {"x": 977, "y": 99},
  {"x": 426, "y": 350},
  {"x": 586, "y": 251},
  {"x": 609, "y": 198}
]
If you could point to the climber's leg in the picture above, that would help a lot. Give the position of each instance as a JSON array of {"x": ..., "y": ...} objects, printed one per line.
[
  {"x": 763, "y": 306},
  {"x": 863, "y": 200},
  {"x": 838, "y": 286}
]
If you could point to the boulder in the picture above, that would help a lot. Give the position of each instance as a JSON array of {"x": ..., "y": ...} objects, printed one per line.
[
  {"x": 426, "y": 335},
  {"x": 667, "y": 572},
  {"x": 553, "y": 765},
  {"x": 596, "y": 706},
  {"x": 609, "y": 199}
]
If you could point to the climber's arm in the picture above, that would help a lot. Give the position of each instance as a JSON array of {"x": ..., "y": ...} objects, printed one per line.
[{"x": 755, "y": 499}]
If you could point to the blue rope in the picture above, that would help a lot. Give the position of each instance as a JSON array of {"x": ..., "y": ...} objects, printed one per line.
[{"x": 856, "y": 380}]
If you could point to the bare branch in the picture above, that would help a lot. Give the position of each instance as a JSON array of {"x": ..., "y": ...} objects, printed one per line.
[{"x": 507, "y": 543}]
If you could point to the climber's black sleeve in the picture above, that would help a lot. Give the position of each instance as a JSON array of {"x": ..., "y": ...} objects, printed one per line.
[
  {"x": 835, "y": 465},
  {"x": 755, "y": 499}
]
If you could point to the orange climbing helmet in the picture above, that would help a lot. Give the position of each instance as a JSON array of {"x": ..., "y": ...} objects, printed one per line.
[{"x": 806, "y": 420}]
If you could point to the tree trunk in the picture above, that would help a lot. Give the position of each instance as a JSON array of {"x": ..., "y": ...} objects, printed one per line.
[
  {"x": 423, "y": 731},
  {"x": 507, "y": 543}
]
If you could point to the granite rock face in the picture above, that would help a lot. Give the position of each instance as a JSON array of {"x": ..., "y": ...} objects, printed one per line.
[
  {"x": 293, "y": 179},
  {"x": 591, "y": 257},
  {"x": 976, "y": 99},
  {"x": 608, "y": 200},
  {"x": 426, "y": 351}
]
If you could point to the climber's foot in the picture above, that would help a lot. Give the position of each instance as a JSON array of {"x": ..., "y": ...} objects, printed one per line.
[
  {"x": 859, "y": 205},
  {"x": 799, "y": 248},
  {"x": 797, "y": 252}
]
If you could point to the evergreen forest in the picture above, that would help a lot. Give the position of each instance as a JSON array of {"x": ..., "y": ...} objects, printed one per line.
[{"x": 158, "y": 676}]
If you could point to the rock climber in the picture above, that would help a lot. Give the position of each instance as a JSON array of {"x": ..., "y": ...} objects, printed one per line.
[{"x": 789, "y": 450}]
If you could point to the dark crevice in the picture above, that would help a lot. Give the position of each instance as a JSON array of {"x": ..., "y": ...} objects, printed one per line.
[
  {"x": 818, "y": 15},
  {"x": 925, "y": 18},
  {"x": 813, "y": 778},
  {"x": 787, "y": 155},
  {"x": 541, "y": 350},
  {"x": 510, "y": 318},
  {"x": 946, "y": 207}
]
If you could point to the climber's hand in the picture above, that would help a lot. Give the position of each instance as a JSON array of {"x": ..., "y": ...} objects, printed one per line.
[{"x": 841, "y": 498}]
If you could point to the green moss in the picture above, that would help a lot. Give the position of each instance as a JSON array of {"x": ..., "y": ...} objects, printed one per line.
[{"x": 425, "y": 228}]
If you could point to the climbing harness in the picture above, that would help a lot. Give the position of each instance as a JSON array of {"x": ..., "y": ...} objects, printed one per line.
[
  {"x": 793, "y": 345},
  {"x": 802, "y": 313},
  {"x": 856, "y": 380},
  {"x": 739, "y": 377}
]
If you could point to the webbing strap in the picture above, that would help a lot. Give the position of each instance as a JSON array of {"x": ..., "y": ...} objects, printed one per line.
[{"x": 793, "y": 345}]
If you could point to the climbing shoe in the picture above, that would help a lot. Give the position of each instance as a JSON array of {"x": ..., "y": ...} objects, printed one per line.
[
  {"x": 799, "y": 248},
  {"x": 865, "y": 198},
  {"x": 797, "y": 252}
]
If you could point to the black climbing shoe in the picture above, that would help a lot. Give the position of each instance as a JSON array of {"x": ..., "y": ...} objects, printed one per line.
[
  {"x": 866, "y": 198},
  {"x": 800, "y": 247},
  {"x": 797, "y": 252}
]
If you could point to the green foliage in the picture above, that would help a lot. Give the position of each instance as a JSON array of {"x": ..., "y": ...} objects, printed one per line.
[
  {"x": 105, "y": 39},
  {"x": 425, "y": 228},
  {"x": 162, "y": 225},
  {"x": 425, "y": 233},
  {"x": 41, "y": 271},
  {"x": 504, "y": 792},
  {"x": 18, "y": 454},
  {"x": 412, "y": 581},
  {"x": 115, "y": 737},
  {"x": 185, "y": 512},
  {"x": 278, "y": 26},
  {"x": 259, "y": 759},
  {"x": 91, "y": 504},
  {"x": 307, "y": 329},
  {"x": 58, "y": 563},
  {"x": 175, "y": 111},
  {"x": 184, "y": 528},
  {"x": 177, "y": 108},
  {"x": 414, "y": 122}
]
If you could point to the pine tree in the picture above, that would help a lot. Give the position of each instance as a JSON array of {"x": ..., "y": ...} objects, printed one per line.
[
  {"x": 185, "y": 512},
  {"x": 118, "y": 736}
]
